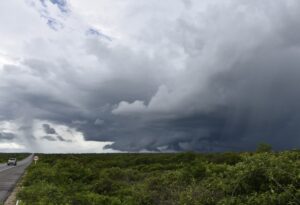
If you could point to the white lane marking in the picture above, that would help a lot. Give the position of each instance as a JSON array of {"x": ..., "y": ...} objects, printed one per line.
[{"x": 7, "y": 168}]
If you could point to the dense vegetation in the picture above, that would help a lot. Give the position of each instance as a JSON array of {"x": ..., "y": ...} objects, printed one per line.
[
  {"x": 5, "y": 156},
  {"x": 262, "y": 178}
]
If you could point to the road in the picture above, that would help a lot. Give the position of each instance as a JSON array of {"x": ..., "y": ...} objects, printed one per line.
[{"x": 9, "y": 176}]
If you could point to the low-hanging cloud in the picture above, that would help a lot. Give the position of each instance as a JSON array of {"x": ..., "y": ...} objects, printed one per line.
[
  {"x": 7, "y": 136},
  {"x": 49, "y": 138},
  {"x": 48, "y": 129},
  {"x": 205, "y": 76},
  {"x": 55, "y": 138},
  {"x": 52, "y": 135}
]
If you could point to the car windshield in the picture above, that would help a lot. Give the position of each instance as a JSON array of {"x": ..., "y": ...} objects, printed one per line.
[{"x": 12, "y": 159}]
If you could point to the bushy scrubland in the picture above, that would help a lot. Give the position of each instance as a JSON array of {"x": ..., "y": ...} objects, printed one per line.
[{"x": 262, "y": 178}]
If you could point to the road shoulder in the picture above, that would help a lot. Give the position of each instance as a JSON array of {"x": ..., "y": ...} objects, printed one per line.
[{"x": 12, "y": 198}]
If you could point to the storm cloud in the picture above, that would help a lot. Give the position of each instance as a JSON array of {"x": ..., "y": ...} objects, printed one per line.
[
  {"x": 7, "y": 136},
  {"x": 48, "y": 129},
  {"x": 55, "y": 138},
  {"x": 52, "y": 135},
  {"x": 154, "y": 76},
  {"x": 49, "y": 138}
]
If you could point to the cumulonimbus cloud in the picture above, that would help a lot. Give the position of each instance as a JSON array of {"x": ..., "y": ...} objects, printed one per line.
[{"x": 204, "y": 76}]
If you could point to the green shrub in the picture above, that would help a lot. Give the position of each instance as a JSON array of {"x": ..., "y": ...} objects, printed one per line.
[
  {"x": 264, "y": 178},
  {"x": 263, "y": 147}
]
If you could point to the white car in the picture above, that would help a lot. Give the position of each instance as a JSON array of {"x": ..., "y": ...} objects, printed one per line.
[{"x": 12, "y": 161}]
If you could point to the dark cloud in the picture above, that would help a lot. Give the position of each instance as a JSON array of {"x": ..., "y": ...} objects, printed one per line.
[
  {"x": 254, "y": 101},
  {"x": 7, "y": 136},
  {"x": 60, "y": 138},
  {"x": 223, "y": 78},
  {"x": 55, "y": 138},
  {"x": 52, "y": 135},
  {"x": 48, "y": 129},
  {"x": 49, "y": 138}
]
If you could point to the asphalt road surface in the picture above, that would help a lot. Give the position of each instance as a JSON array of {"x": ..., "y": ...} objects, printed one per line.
[{"x": 9, "y": 176}]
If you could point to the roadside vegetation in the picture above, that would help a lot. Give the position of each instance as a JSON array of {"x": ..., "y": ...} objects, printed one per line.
[
  {"x": 260, "y": 178},
  {"x": 5, "y": 156}
]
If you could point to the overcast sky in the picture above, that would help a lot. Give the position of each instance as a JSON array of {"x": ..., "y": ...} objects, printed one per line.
[{"x": 132, "y": 75}]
